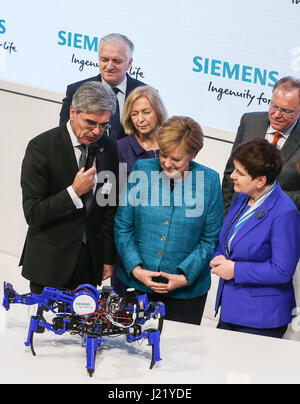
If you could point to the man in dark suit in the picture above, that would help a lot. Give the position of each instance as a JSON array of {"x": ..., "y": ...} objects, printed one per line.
[
  {"x": 115, "y": 59},
  {"x": 280, "y": 126},
  {"x": 70, "y": 235}
]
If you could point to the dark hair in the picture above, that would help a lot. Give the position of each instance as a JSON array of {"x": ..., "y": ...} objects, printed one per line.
[{"x": 259, "y": 158}]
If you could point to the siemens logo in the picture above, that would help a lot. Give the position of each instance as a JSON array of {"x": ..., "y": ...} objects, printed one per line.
[
  {"x": 2, "y": 27},
  {"x": 244, "y": 73},
  {"x": 78, "y": 41}
]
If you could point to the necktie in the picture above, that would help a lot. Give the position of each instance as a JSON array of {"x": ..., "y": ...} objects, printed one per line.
[
  {"x": 82, "y": 159},
  {"x": 115, "y": 119},
  {"x": 277, "y": 136},
  {"x": 88, "y": 196}
]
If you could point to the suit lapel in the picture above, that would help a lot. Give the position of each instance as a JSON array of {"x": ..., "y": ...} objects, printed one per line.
[
  {"x": 262, "y": 126},
  {"x": 231, "y": 214},
  {"x": 292, "y": 143},
  {"x": 98, "y": 78},
  {"x": 257, "y": 218},
  {"x": 130, "y": 85},
  {"x": 67, "y": 152},
  {"x": 101, "y": 157},
  {"x": 101, "y": 153}
]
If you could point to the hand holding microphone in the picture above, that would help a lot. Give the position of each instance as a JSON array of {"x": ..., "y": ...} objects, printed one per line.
[{"x": 84, "y": 179}]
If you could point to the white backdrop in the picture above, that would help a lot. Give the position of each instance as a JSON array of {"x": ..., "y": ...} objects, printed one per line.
[{"x": 212, "y": 60}]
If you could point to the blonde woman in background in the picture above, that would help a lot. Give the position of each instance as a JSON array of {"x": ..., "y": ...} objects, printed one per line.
[{"x": 144, "y": 113}]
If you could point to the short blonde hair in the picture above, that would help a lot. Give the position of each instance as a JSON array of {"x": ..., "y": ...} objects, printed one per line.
[
  {"x": 152, "y": 95},
  {"x": 180, "y": 130}
]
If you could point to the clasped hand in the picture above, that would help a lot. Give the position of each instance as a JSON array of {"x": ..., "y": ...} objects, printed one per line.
[
  {"x": 222, "y": 267},
  {"x": 145, "y": 276}
]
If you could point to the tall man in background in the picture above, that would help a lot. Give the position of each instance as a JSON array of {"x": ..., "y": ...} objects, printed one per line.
[
  {"x": 280, "y": 126},
  {"x": 115, "y": 59},
  {"x": 70, "y": 236}
]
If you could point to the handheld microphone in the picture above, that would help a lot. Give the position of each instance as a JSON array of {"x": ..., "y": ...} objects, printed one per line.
[{"x": 92, "y": 150}]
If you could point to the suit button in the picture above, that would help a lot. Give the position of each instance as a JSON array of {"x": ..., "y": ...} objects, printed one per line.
[
  {"x": 166, "y": 222},
  {"x": 163, "y": 238},
  {"x": 160, "y": 253}
]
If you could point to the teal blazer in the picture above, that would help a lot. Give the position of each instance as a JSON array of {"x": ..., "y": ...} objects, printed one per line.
[{"x": 175, "y": 232}]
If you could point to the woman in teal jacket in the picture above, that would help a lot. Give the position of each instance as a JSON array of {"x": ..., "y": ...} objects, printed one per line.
[{"x": 168, "y": 222}]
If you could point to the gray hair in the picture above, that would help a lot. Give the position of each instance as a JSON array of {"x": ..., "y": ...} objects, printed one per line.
[
  {"x": 114, "y": 39},
  {"x": 288, "y": 83},
  {"x": 93, "y": 96}
]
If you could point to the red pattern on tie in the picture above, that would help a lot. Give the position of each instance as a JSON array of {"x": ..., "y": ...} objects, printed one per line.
[{"x": 277, "y": 136}]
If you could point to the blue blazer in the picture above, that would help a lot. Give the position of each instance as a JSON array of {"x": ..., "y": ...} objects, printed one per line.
[
  {"x": 174, "y": 236},
  {"x": 266, "y": 251}
]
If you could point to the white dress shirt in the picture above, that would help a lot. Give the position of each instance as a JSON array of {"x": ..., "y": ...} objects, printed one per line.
[
  {"x": 285, "y": 134},
  {"x": 121, "y": 94}
]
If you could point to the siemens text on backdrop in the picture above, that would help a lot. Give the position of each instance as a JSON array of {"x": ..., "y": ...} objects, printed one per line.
[
  {"x": 2, "y": 27},
  {"x": 249, "y": 74}
]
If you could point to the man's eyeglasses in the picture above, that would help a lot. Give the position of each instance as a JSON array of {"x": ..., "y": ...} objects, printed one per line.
[
  {"x": 92, "y": 124},
  {"x": 283, "y": 111}
]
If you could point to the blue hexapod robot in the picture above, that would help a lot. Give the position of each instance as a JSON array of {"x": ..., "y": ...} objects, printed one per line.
[{"x": 93, "y": 314}]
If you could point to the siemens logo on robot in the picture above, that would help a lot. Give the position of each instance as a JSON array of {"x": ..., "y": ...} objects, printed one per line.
[
  {"x": 84, "y": 304},
  {"x": 2, "y": 26},
  {"x": 78, "y": 41},
  {"x": 248, "y": 74}
]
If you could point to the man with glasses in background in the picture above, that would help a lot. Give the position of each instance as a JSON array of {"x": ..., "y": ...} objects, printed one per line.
[
  {"x": 115, "y": 59},
  {"x": 70, "y": 236},
  {"x": 280, "y": 126}
]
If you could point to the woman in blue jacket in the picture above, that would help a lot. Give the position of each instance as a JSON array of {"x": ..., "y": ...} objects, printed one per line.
[
  {"x": 168, "y": 222},
  {"x": 259, "y": 246}
]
